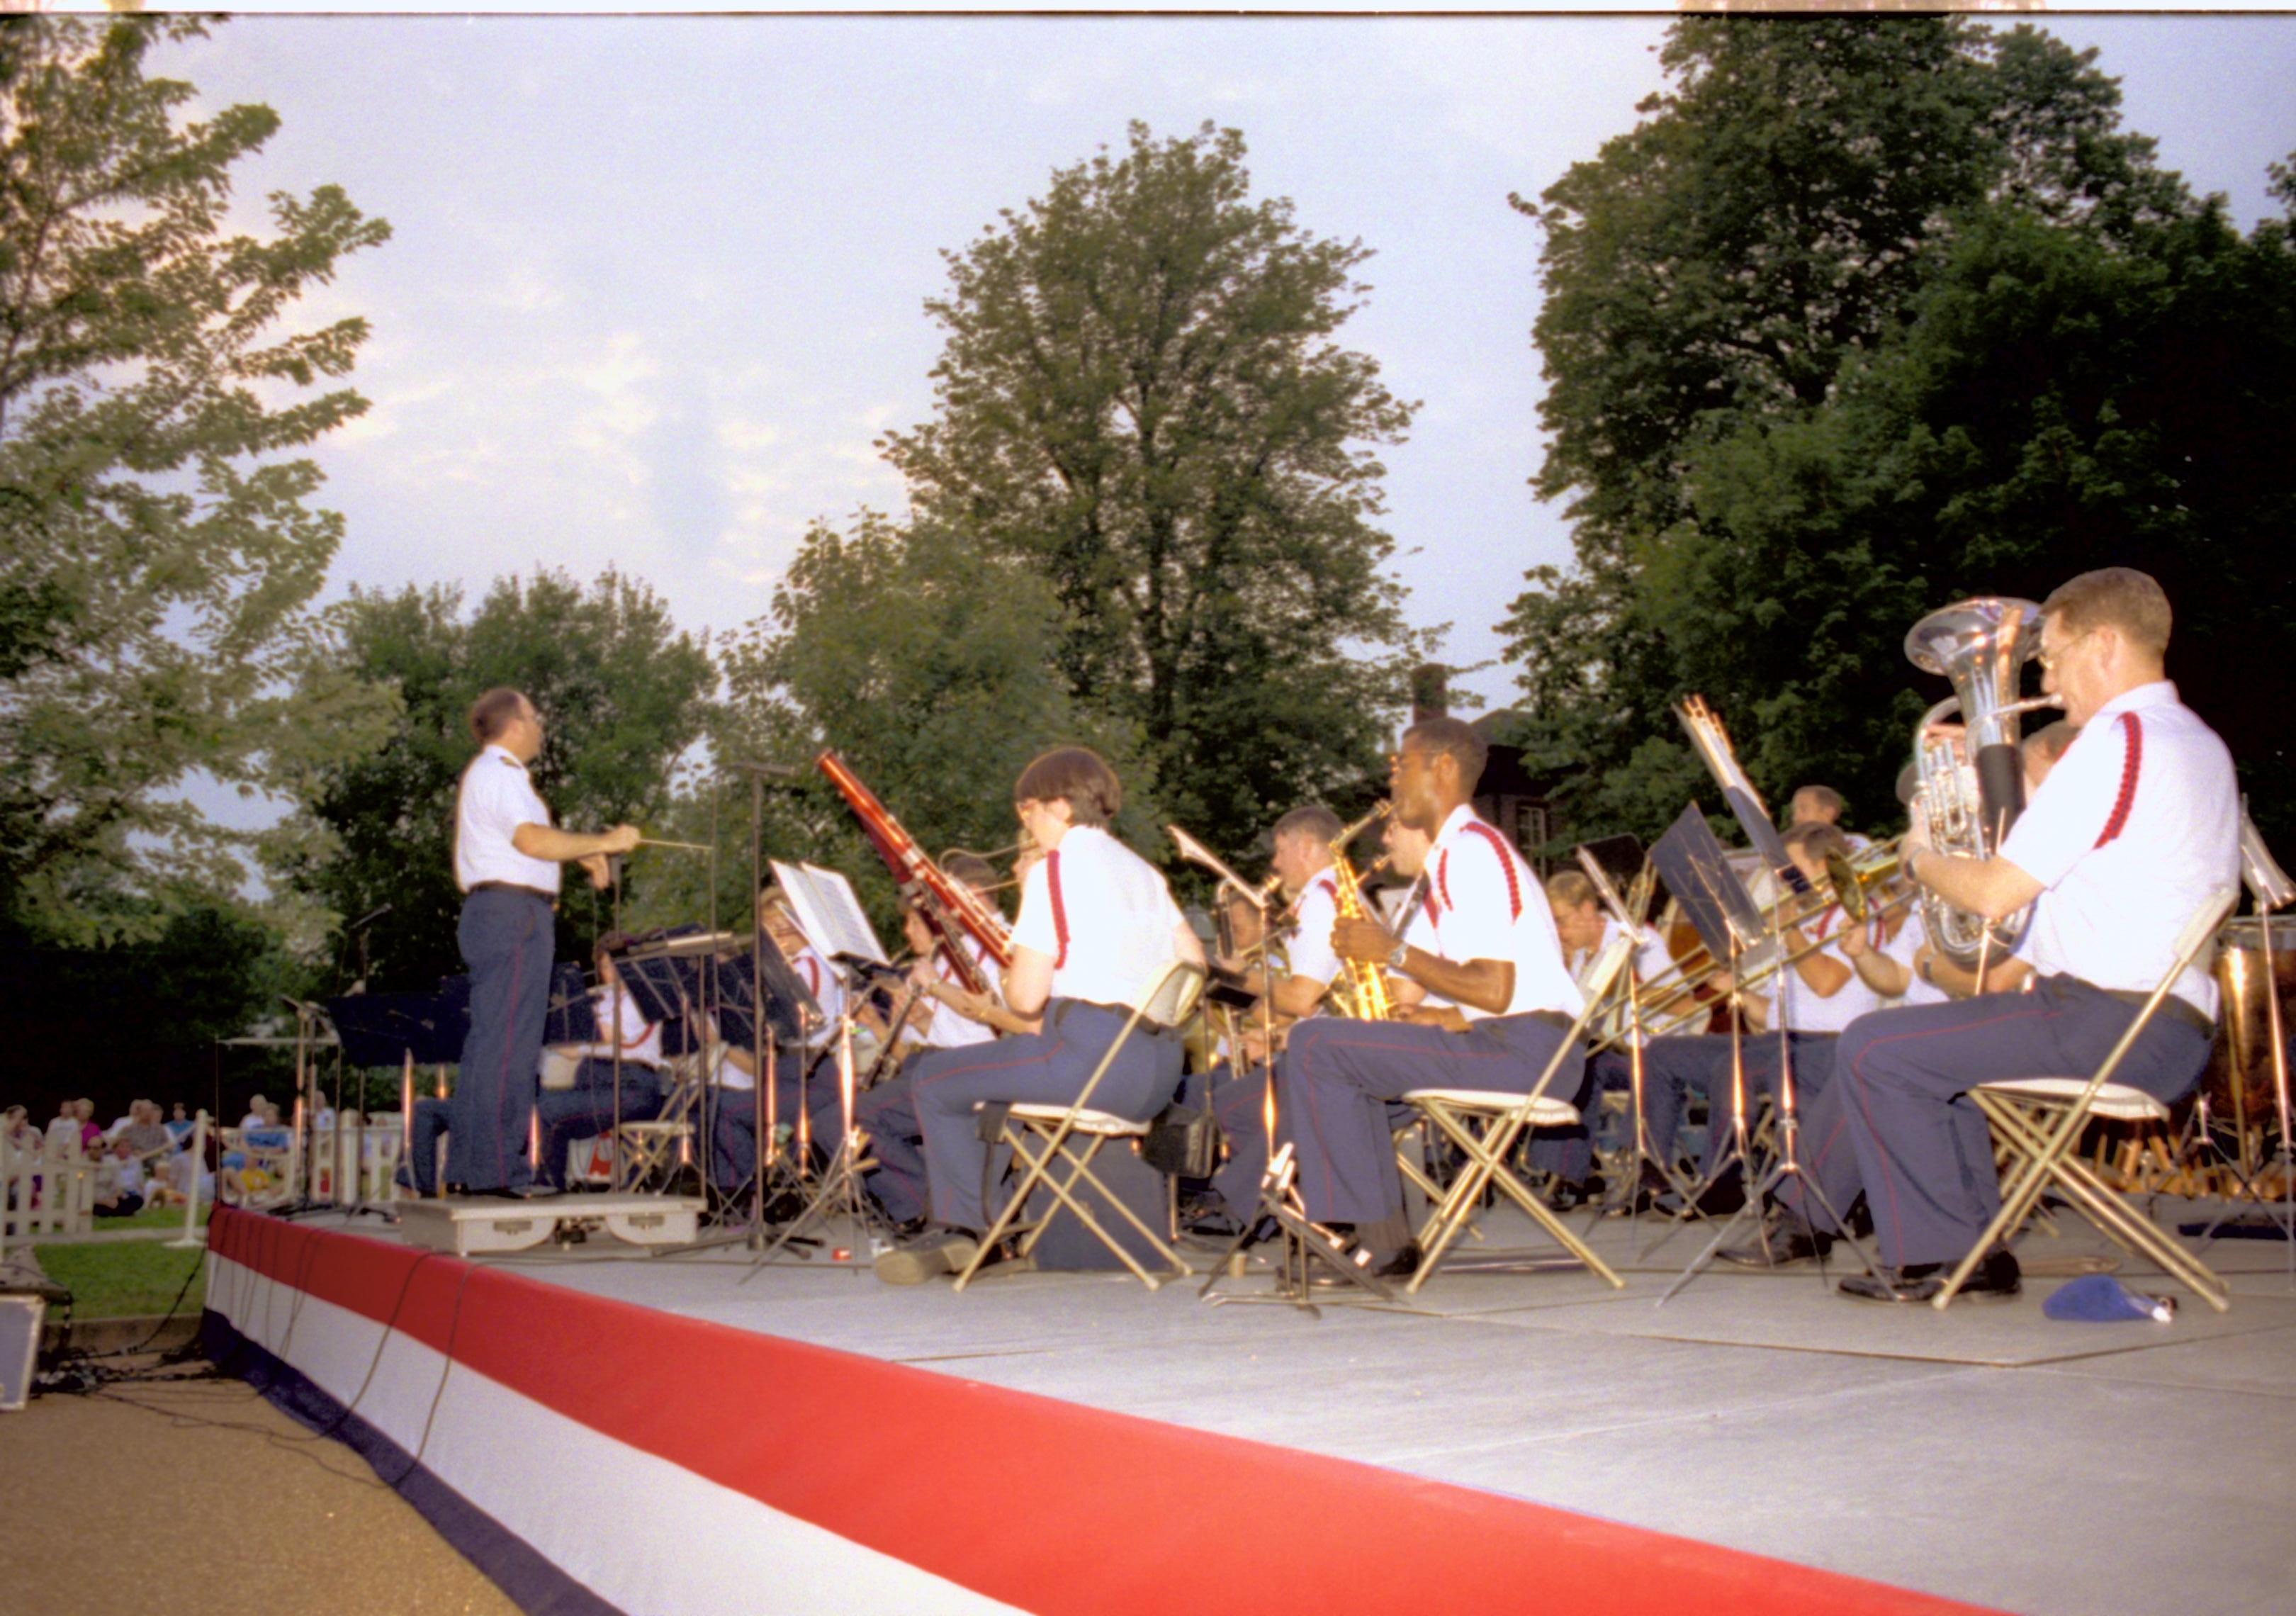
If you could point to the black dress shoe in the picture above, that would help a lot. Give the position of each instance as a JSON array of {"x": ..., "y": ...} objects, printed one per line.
[
  {"x": 1785, "y": 1239},
  {"x": 1996, "y": 1279},
  {"x": 1395, "y": 1265},
  {"x": 513, "y": 1192},
  {"x": 1570, "y": 1197}
]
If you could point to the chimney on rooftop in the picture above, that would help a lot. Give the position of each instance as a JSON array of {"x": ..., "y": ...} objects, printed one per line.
[{"x": 1430, "y": 691}]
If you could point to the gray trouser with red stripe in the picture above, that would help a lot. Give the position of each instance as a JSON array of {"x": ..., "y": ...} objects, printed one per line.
[
  {"x": 1239, "y": 1101},
  {"x": 1896, "y": 1120},
  {"x": 1048, "y": 1067},
  {"x": 1340, "y": 1083},
  {"x": 506, "y": 940}
]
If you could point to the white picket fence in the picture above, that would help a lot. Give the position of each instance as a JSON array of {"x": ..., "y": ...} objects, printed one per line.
[{"x": 45, "y": 1192}]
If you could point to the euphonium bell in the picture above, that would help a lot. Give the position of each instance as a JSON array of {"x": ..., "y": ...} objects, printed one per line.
[{"x": 1974, "y": 783}]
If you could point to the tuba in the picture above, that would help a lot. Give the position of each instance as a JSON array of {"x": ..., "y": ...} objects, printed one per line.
[{"x": 1972, "y": 782}]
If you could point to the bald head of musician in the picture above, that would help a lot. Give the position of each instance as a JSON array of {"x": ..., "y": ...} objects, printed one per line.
[
  {"x": 2103, "y": 634},
  {"x": 1814, "y": 805},
  {"x": 1435, "y": 769}
]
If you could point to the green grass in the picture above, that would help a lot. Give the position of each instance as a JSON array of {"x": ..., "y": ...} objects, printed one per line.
[{"x": 126, "y": 1279}]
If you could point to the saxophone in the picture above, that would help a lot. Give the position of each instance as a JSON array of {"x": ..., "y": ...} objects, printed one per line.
[{"x": 1361, "y": 991}]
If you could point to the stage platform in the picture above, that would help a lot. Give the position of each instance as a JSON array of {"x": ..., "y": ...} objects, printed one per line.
[{"x": 605, "y": 1430}]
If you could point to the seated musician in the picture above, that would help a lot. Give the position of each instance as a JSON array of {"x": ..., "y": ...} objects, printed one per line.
[
  {"x": 1585, "y": 929},
  {"x": 1821, "y": 805},
  {"x": 1295, "y": 982},
  {"x": 1823, "y": 994},
  {"x": 2130, "y": 833},
  {"x": 1098, "y": 932},
  {"x": 1905, "y": 970},
  {"x": 599, "y": 1095},
  {"x": 733, "y": 1135},
  {"x": 958, "y": 1019},
  {"x": 1492, "y": 951}
]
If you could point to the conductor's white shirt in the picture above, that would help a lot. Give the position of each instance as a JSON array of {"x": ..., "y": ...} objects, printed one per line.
[
  {"x": 494, "y": 800},
  {"x": 2139, "y": 820}
]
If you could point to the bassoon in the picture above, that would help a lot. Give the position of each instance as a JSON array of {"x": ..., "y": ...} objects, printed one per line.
[{"x": 951, "y": 909}]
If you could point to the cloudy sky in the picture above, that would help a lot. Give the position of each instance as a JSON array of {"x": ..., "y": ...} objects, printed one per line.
[{"x": 656, "y": 282}]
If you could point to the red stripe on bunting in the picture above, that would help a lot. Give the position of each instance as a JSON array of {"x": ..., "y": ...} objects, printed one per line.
[
  {"x": 1059, "y": 909},
  {"x": 949, "y": 1475},
  {"x": 2132, "y": 763}
]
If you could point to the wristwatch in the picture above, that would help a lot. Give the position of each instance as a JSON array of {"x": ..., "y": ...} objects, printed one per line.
[{"x": 1394, "y": 955}]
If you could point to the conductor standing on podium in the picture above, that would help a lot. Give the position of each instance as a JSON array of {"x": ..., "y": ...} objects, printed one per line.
[{"x": 506, "y": 859}]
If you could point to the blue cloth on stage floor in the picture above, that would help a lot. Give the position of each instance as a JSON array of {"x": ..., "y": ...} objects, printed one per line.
[{"x": 2100, "y": 1298}]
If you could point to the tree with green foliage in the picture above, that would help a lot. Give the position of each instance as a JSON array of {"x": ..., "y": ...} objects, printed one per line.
[
  {"x": 1719, "y": 280},
  {"x": 1143, "y": 398},
  {"x": 624, "y": 696},
  {"x": 158, "y": 552},
  {"x": 932, "y": 669},
  {"x": 2055, "y": 401}
]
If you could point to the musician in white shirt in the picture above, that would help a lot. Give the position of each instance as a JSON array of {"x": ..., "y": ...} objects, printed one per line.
[
  {"x": 1492, "y": 952},
  {"x": 961, "y": 1019},
  {"x": 1098, "y": 933},
  {"x": 1585, "y": 929},
  {"x": 2131, "y": 833},
  {"x": 506, "y": 857},
  {"x": 1295, "y": 989},
  {"x": 618, "y": 1078}
]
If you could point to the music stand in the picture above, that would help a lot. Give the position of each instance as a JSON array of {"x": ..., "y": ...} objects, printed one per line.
[
  {"x": 402, "y": 1030},
  {"x": 825, "y": 909},
  {"x": 1690, "y": 858},
  {"x": 1602, "y": 862},
  {"x": 1745, "y": 804}
]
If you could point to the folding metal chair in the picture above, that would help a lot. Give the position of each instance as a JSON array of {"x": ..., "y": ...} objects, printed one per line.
[
  {"x": 1042, "y": 1136},
  {"x": 1486, "y": 1126},
  {"x": 2039, "y": 1121},
  {"x": 648, "y": 1153}
]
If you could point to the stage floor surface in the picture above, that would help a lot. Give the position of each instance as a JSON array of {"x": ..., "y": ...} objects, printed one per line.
[{"x": 1987, "y": 1454}]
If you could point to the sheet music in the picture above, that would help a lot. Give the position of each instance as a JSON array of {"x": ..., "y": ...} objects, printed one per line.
[{"x": 827, "y": 912}]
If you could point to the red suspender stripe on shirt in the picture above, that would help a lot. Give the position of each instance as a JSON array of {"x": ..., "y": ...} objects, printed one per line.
[
  {"x": 1442, "y": 885},
  {"x": 812, "y": 974},
  {"x": 1506, "y": 863},
  {"x": 1059, "y": 909},
  {"x": 2131, "y": 763}
]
